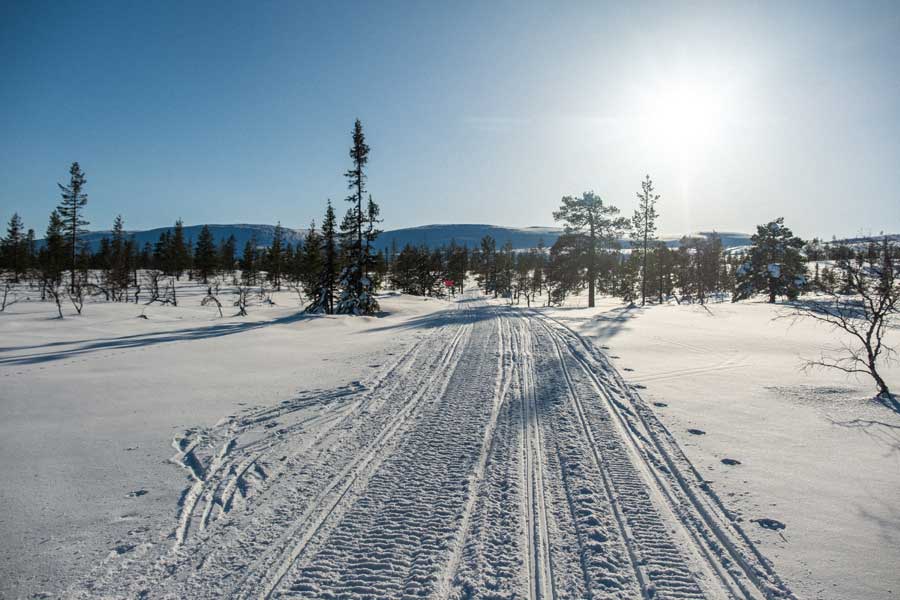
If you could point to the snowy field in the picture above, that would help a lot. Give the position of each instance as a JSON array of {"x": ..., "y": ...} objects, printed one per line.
[
  {"x": 813, "y": 451},
  {"x": 446, "y": 449},
  {"x": 90, "y": 405}
]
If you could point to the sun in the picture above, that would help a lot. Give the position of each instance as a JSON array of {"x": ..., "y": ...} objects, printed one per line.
[{"x": 684, "y": 119}]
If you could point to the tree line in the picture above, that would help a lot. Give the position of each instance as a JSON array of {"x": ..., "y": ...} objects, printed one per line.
[{"x": 336, "y": 267}]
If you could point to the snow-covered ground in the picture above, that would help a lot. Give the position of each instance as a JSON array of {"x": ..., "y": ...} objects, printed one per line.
[
  {"x": 450, "y": 449},
  {"x": 814, "y": 452},
  {"x": 89, "y": 406}
]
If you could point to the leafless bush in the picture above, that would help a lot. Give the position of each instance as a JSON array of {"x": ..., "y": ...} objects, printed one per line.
[
  {"x": 212, "y": 296},
  {"x": 866, "y": 308}
]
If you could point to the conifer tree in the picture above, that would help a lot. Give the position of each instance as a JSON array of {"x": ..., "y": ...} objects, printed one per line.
[
  {"x": 774, "y": 266},
  {"x": 356, "y": 293},
  {"x": 276, "y": 257},
  {"x": 643, "y": 229},
  {"x": 311, "y": 262},
  {"x": 370, "y": 234},
  {"x": 13, "y": 247},
  {"x": 597, "y": 223},
  {"x": 181, "y": 257},
  {"x": 250, "y": 261},
  {"x": 227, "y": 252},
  {"x": 162, "y": 253},
  {"x": 205, "y": 259},
  {"x": 324, "y": 297},
  {"x": 70, "y": 211},
  {"x": 54, "y": 252},
  {"x": 118, "y": 260}
]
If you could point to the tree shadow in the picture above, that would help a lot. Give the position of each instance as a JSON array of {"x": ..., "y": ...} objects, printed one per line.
[
  {"x": 607, "y": 325},
  {"x": 445, "y": 317},
  {"x": 882, "y": 432},
  {"x": 141, "y": 340}
]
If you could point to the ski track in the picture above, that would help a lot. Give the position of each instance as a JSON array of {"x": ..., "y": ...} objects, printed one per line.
[{"x": 498, "y": 456}]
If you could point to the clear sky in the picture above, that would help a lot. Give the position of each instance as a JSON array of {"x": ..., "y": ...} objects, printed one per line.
[{"x": 482, "y": 112}]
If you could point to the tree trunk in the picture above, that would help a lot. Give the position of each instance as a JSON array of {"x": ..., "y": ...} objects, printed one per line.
[{"x": 592, "y": 267}]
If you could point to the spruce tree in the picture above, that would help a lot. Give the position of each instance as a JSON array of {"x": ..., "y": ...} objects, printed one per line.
[
  {"x": 356, "y": 294},
  {"x": 276, "y": 257},
  {"x": 250, "y": 261},
  {"x": 54, "y": 252},
  {"x": 162, "y": 253},
  {"x": 227, "y": 252},
  {"x": 205, "y": 259},
  {"x": 118, "y": 260},
  {"x": 13, "y": 247},
  {"x": 323, "y": 300},
  {"x": 643, "y": 229},
  {"x": 70, "y": 211},
  {"x": 181, "y": 256},
  {"x": 311, "y": 262},
  {"x": 774, "y": 265},
  {"x": 370, "y": 234}
]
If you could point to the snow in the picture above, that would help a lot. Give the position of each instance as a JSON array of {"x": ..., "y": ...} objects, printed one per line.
[
  {"x": 814, "y": 452},
  {"x": 443, "y": 448},
  {"x": 90, "y": 404}
]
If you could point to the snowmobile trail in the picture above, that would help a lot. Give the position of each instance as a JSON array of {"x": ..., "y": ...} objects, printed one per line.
[{"x": 500, "y": 455}]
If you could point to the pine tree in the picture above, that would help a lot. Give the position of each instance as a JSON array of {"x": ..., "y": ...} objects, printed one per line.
[
  {"x": 643, "y": 229},
  {"x": 70, "y": 211},
  {"x": 590, "y": 218},
  {"x": 205, "y": 258},
  {"x": 13, "y": 247}
]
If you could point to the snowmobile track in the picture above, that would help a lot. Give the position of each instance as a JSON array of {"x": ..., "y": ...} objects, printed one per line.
[{"x": 499, "y": 456}]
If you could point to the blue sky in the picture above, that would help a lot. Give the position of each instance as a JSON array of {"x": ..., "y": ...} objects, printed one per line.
[{"x": 475, "y": 112}]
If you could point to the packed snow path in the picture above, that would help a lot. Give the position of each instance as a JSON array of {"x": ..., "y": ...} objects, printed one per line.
[{"x": 500, "y": 456}]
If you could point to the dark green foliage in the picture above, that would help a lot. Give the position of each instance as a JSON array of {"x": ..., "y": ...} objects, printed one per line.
[
  {"x": 206, "y": 258},
  {"x": 357, "y": 233},
  {"x": 643, "y": 231},
  {"x": 589, "y": 218},
  {"x": 774, "y": 265},
  {"x": 13, "y": 248},
  {"x": 70, "y": 211}
]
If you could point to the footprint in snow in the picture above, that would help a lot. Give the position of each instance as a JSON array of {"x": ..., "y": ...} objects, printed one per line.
[
  {"x": 767, "y": 523},
  {"x": 123, "y": 548},
  {"x": 730, "y": 462},
  {"x": 696, "y": 432}
]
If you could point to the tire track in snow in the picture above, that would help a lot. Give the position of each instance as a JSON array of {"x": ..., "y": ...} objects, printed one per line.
[
  {"x": 501, "y": 456},
  {"x": 397, "y": 537},
  {"x": 734, "y": 565}
]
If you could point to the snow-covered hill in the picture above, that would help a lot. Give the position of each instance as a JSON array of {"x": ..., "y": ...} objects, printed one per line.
[{"x": 433, "y": 236}]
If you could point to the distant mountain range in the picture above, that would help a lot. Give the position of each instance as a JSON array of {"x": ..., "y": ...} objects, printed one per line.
[{"x": 432, "y": 236}]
